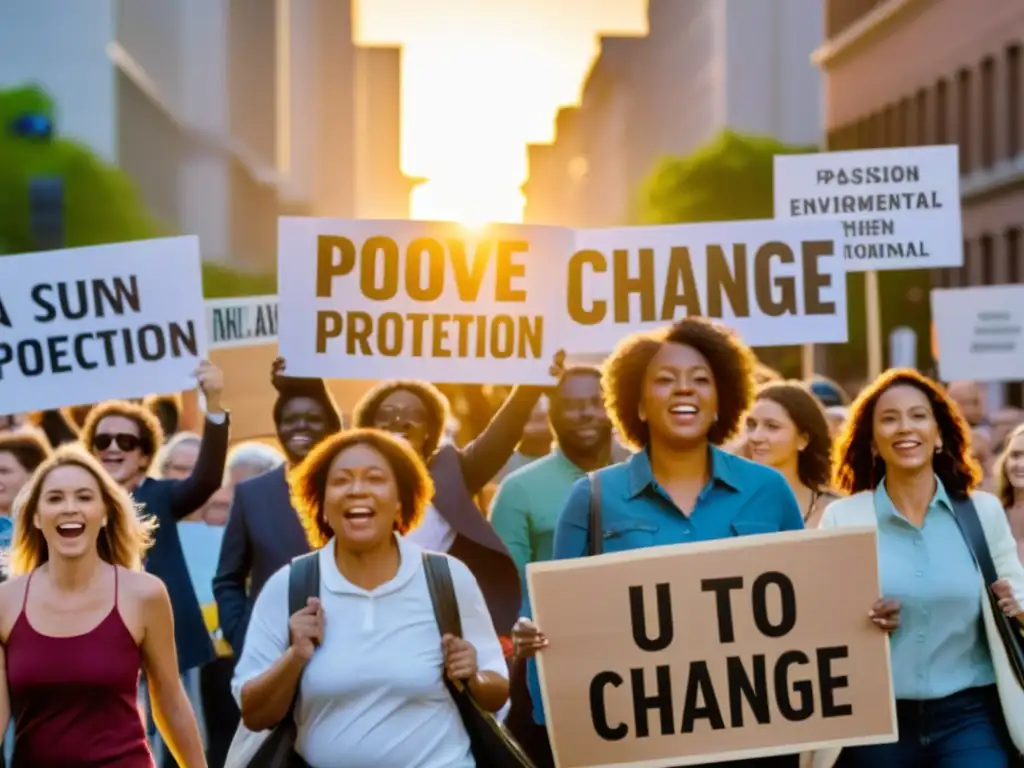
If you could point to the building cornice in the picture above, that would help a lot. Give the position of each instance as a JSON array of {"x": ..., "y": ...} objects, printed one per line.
[{"x": 863, "y": 30}]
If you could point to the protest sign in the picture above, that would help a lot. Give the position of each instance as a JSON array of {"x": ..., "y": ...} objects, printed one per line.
[
  {"x": 88, "y": 324},
  {"x": 367, "y": 299},
  {"x": 721, "y": 650},
  {"x": 900, "y": 208},
  {"x": 774, "y": 282},
  {"x": 242, "y": 322},
  {"x": 979, "y": 332}
]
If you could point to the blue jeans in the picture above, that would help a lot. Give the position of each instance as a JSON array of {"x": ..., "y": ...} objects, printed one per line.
[{"x": 965, "y": 730}]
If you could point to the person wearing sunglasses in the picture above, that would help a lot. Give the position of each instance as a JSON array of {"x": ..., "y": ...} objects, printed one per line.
[{"x": 126, "y": 437}]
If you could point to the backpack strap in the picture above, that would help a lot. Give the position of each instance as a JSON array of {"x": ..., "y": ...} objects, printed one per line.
[
  {"x": 442, "y": 594},
  {"x": 303, "y": 583},
  {"x": 596, "y": 522}
]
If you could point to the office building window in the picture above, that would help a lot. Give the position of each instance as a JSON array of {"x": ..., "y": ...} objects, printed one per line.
[
  {"x": 864, "y": 133},
  {"x": 1013, "y": 137},
  {"x": 876, "y": 130},
  {"x": 987, "y": 257},
  {"x": 963, "y": 119},
  {"x": 1014, "y": 270},
  {"x": 961, "y": 276},
  {"x": 988, "y": 112},
  {"x": 890, "y": 136},
  {"x": 942, "y": 112},
  {"x": 904, "y": 137},
  {"x": 921, "y": 118}
]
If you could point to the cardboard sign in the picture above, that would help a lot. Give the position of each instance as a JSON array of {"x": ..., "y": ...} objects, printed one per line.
[
  {"x": 84, "y": 325},
  {"x": 381, "y": 299},
  {"x": 723, "y": 650},
  {"x": 979, "y": 332},
  {"x": 242, "y": 322},
  {"x": 773, "y": 282},
  {"x": 900, "y": 208}
]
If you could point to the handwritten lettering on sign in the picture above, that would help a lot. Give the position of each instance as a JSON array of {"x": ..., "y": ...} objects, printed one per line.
[{"x": 699, "y": 652}]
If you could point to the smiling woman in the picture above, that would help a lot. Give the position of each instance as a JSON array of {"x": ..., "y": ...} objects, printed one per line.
[
  {"x": 675, "y": 395},
  {"x": 905, "y": 454},
  {"x": 375, "y": 683},
  {"x": 80, "y": 621}
]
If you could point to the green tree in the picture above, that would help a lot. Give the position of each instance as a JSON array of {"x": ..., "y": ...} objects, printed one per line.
[
  {"x": 728, "y": 179},
  {"x": 101, "y": 203},
  {"x": 731, "y": 179}
]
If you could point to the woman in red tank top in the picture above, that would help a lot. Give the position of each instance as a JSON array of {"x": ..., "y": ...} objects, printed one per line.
[{"x": 78, "y": 623}]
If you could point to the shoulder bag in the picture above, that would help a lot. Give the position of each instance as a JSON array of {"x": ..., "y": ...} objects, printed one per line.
[
  {"x": 596, "y": 523},
  {"x": 1010, "y": 630},
  {"x": 278, "y": 748},
  {"x": 492, "y": 745},
  {"x": 1011, "y": 634}
]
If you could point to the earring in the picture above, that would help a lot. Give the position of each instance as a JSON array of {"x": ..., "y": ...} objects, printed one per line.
[
  {"x": 938, "y": 448},
  {"x": 104, "y": 523},
  {"x": 716, "y": 417}
]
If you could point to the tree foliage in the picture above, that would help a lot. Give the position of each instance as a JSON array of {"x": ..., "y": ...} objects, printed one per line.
[
  {"x": 728, "y": 179},
  {"x": 101, "y": 203},
  {"x": 731, "y": 179}
]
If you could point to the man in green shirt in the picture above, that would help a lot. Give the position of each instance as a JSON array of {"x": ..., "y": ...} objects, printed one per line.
[{"x": 528, "y": 501}]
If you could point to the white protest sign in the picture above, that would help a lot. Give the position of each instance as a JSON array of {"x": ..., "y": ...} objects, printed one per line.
[
  {"x": 242, "y": 322},
  {"x": 84, "y": 325},
  {"x": 390, "y": 299},
  {"x": 900, "y": 208},
  {"x": 774, "y": 282},
  {"x": 980, "y": 332}
]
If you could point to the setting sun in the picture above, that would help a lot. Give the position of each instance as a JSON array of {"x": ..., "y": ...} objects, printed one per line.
[{"x": 480, "y": 80}]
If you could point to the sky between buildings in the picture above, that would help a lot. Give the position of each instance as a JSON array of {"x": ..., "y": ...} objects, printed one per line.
[{"x": 481, "y": 78}]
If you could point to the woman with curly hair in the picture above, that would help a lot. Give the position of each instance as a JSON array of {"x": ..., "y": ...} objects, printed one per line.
[
  {"x": 80, "y": 620},
  {"x": 786, "y": 429},
  {"x": 367, "y": 656},
  {"x": 675, "y": 396},
  {"x": 905, "y": 457}
]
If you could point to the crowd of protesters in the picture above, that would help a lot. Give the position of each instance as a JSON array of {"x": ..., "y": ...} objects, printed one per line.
[{"x": 120, "y": 527}]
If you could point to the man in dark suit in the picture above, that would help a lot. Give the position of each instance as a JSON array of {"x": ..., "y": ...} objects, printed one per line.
[{"x": 264, "y": 533}]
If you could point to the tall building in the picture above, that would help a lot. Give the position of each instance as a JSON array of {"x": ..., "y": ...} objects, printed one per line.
[
  {"x": 704, "y": 66},
  {"x": 68, "y": 59},
  {"x": 383, "y": 190},
  {"x": 224, "y": 112},
  {"x": 917, "y": 72}
]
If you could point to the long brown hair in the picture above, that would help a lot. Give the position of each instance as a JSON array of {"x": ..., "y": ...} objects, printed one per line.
[
  {"x": 125, "y": 538},
  {"x": 856, "y": 467},
  {"x": 814, "y": 463}
]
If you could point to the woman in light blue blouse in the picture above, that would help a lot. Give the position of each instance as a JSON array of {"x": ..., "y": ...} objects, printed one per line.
[
  {"x": 675, "y": 396},
  {"x": 905, "y": 455}
]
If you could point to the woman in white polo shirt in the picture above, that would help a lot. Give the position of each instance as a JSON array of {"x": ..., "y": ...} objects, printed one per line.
[{"x": 368, "y": 656}]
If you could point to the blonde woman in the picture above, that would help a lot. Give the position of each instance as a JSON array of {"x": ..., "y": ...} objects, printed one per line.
[
  {"x": 1009, "y": 479},
  {"x": 79, "y": 620}
]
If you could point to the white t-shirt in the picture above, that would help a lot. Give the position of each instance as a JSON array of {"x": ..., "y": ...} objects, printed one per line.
[
  {"x": 373, "y": 695},
  {"x": 433, "y": 533}
]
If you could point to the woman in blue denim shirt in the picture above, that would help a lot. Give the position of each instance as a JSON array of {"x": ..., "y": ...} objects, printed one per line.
[{"x": 675, "y": 396}]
